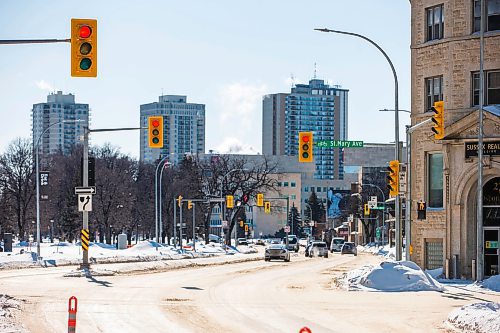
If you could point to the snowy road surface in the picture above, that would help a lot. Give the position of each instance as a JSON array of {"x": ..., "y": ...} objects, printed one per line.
[{"x": 254, "y": 296}]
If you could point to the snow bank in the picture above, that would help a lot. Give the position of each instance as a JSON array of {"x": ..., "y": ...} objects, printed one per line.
[
  {"x": 477, "y": 318},
  {"x": 492, "y": 283},
  {"x": 9, "y": 307},
  {"x": 64, "y": 253},
  {"x": 436, "y": 273},
  {"x": 390, "y": 276}
]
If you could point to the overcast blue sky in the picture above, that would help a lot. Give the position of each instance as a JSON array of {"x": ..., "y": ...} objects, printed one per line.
[{"x": 224, "y": 54}]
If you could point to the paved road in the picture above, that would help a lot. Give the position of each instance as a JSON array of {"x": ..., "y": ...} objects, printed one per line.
[{"x": 253, "y": 296}]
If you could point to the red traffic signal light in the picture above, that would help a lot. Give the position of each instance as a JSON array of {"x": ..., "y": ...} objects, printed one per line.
[
  {"x": 305, "y": 146},
  {"x": 83, "y": 48},
  {"x": 155, "y": 132}
]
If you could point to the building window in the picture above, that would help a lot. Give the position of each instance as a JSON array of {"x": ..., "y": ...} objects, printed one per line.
[
  {"x": 318, "y": 189},
  {"x": 435, "y": 22},
  {"x": 294, "y": 197},
  {"x": 435, "y": 180},
  {"x": 433, "y": 253},
  {"x": 306, "y": 189},
  {"x": 292, "y": 184},
  {"x": 492, "y": 13},
  {"x": 491, "y": 87},
  {"x": 433, "y": 91},
  {"x": 285, "y": 184}
]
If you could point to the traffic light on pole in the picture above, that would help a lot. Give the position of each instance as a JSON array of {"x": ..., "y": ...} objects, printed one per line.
[
  {"x": 229, "y": 201},
  {"x": 393, "y": 178},
  {"x": 241, "y": 223},
  {"x": 190, "y": 204},
  {"x": 155, "y": 132},
  {"x": 179, "y": 200},
  {"x": 305, "y": 146},
  {"x": 260, "y": 199},
  {"x": 83, "y": 48},
  {"x": 267, "y": 207},
  {"x": 438, "y": 120},
  {"x": 244, "y": 198},
  {"x": 367, "y": 210}
]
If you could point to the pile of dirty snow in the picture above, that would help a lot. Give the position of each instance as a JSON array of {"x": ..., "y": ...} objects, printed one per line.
[
  {"x": 390, "y": 276},
  {"x": 492, "y": 283},
  {"x": 9, "y": 307},
  {"x": 478, "y": 318}
]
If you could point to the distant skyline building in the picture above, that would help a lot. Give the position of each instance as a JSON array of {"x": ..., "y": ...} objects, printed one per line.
[
  {"x": 183, "y": 128},
  {"x": 63, "y": 136},
  {"x": 315, "y": 107}
]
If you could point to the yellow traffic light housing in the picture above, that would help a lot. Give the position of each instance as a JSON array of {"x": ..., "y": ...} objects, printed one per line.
[
  {"x": 179, "y": 200},
  {"x": 393, "y": 178},
  {"x": 241, "y": 223},
  {"x": 305, "y": 147},
  {"x": 367, "y": 210},
  {"x": 438, "y": 120},
  {"x": 260, "y": 199},
  {"x": 267, "y": 207},
  {"x": 229, "y": 201},
  {"x": 83, "y": 48},
  {"x": 190, "y": 204},
  {"x": 155, "y": 132}
]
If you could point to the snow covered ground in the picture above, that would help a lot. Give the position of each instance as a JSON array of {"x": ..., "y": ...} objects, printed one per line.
[
  {"x": 9, "y": 308},
  {"x": 58, "y": 254},
  {"x": 481, "y": 317},
  {"x": 390, "y": 276}
]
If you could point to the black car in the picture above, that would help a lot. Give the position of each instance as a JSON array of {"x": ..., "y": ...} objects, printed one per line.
[{"x": 349, "y": 248}]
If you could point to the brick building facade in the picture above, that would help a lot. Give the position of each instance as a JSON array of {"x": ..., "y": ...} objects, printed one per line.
[{"x": 445, "y": 46}]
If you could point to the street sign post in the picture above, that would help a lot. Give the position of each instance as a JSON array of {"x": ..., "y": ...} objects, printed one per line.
[
  {"x": 84, "y": 202},
  {"x": 85, "y": 190},
  {"x": 287, "y": 228}
]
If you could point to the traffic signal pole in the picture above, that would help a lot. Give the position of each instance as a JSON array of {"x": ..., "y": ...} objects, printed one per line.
[
  {"x": 86, "y": 131},
  {"x": 85, "y": 261}
]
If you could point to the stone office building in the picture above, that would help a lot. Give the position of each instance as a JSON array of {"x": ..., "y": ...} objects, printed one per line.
[{"x": 445, "y": 62}]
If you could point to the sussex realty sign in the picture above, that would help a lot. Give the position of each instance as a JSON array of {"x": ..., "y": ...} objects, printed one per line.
[{"x": 491, "y": 148}]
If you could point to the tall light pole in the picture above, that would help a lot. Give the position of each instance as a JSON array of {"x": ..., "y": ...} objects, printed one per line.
[
  {"x": 37, "y": 148},
  {"x": 396, "y": 130},
  {"x": 156, "y": 199},
  {"x": 480, "y": 135}
]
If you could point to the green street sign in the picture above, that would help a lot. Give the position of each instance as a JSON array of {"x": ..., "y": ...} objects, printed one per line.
[
  {"x": 338, "y": 144},
  {"x": 377, "y": 234},
  {"x": 378, "y": 208}
]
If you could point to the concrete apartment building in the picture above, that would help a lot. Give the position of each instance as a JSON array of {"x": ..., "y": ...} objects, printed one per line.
[
  {"x": 183, "y": 128},
  {"x": 445, "y": 64},
  {"x": 62, "y": 136}
]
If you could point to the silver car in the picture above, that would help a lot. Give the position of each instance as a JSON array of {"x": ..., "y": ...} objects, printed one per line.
[
  {"x": 317, "y": 249},
  {"x": 277, "y": 251}
]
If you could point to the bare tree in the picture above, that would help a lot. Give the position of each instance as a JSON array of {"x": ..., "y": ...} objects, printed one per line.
[
  {"x": 17, "y": 181},
  {"x": 112, "y": 204}
]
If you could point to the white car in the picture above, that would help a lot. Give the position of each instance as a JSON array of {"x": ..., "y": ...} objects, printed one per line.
[
  {"x": 277, "y": 251},
  {"x": 317, "y": 249}
]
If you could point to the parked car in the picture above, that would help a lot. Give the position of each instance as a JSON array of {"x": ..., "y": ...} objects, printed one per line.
[
  {"x": 336, "y": 244},
  {"x": 275, "y": 241},
  {"x": 242, "y": 241},
  {"x": 349, "y": 248},
  {"x": 277, "y": 251},
  {"x": 318, "y": 249},
  {"x": 293, "y": 243},
  {"x": 214, "y": 238},
  {"x": 260, "y": 241}
]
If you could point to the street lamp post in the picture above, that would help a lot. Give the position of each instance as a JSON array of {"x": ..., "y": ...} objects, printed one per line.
[
  {"x": 156, "y": 199},
  {"x": 37, "y": 148},
  {"x": 396, "y": 129}
]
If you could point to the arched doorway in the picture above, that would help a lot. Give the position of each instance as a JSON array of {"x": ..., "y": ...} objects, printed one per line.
[{"x": 491, "y": 226}]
